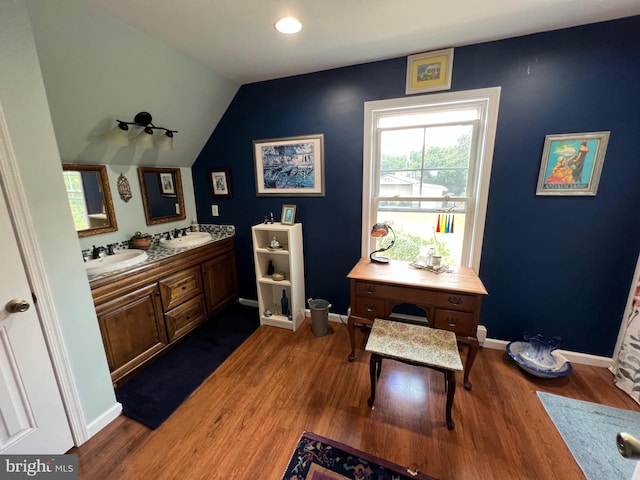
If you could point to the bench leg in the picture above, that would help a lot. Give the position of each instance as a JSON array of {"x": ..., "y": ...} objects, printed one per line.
[
  {"x": 450, "y": 387},
  {"x": 375, "y": 365}
]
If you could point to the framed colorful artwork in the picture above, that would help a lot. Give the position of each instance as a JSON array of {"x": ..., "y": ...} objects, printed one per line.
[
  {"x": 572, "y": 163},
  {"x": 220, "y": 184},
  {"x": 292, "y": 166},
  {"x": 429, "y": 72},
  {"x": 288, "y": 215}
]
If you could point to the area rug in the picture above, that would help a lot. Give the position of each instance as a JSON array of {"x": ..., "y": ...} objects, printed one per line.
[
  {"x": 318, "y": 458},
  {"x": 155, "y": 393},
  {"x": 590, "y": 430}
]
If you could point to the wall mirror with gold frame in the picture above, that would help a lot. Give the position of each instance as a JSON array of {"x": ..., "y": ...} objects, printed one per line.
[
  {"x": 89, "y": 198},
  {"x": 161, "y": 194}
]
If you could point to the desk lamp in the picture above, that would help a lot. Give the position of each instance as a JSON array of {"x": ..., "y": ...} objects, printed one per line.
[{"x": 381, "y": 230}]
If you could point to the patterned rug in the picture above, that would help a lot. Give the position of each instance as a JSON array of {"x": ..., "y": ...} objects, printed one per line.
[{"x": 318, "y": 458}]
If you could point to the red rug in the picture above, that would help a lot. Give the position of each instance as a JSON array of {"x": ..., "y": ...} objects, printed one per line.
[{"x": 319, "y": 458}]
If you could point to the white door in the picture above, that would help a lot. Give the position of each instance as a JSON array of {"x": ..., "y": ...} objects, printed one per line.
[{"x": 31, "y": 408}]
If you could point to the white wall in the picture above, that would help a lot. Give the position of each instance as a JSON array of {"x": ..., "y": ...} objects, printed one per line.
[
  {"x": 97, "y": 69},
  {"x": 24, "y": 102}
]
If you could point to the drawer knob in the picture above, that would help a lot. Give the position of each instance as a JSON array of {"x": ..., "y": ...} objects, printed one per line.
[
  {"x": 184, "y": 287},
  {"x": 455, "y": 300},
  {"x": 369, "y": 289},
  {"x": 452, "y": 322},
  {"x": 371, "y": 308}
]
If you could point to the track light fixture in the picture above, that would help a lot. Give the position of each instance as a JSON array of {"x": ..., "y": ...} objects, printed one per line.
[{"x": 120, "y": 133}]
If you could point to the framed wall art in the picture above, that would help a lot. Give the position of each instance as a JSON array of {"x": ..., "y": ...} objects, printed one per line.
[
  {"x": 220, "y": 182},
  {"x": 572, "y": 163},
  {"x": 429, "y": 72},
  {"x": 288, "y": 215},
  {"x": 292, "y": 166},
  {"x": 167, "y": 186}
]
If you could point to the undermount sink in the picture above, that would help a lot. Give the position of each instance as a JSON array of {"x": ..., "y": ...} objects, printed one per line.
[
  {"x": 192, "y": 239},
  {"x": 118, "y": 260}
]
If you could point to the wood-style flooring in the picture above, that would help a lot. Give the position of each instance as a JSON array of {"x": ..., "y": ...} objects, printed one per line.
[{"x": 244, "y": 421}]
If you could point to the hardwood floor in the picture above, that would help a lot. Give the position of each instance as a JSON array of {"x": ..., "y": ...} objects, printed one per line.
[{"x": 245, "y": 420}]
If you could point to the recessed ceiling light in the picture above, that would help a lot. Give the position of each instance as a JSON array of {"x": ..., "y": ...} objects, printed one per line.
[{"x": 288, "y": 25}]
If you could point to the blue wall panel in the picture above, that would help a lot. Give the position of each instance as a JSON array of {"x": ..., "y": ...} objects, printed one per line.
[{"x": 554, "y": 265}]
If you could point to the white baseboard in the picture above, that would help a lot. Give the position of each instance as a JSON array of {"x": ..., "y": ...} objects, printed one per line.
[
  {"x": 103, "y": 420},
  {"x": 574, "y": 357},
  {"x": 248, "y": 302}
]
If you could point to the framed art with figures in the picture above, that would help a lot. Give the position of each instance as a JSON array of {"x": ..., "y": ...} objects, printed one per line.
[{"x": 572, "y": 163}]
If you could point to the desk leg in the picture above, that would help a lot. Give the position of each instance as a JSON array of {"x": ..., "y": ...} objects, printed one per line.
[
  {"x": 374, "y": 366},
  {"x": 351, "y": 326},
  {"x": 472, "y": 343},
  {"x": 450, "y": 387}
]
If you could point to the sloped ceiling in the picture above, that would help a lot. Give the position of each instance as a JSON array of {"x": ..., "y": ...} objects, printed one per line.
[{"x": 237, "y": 40}]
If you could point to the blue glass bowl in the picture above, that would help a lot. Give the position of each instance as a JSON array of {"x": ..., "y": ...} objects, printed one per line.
[{"x": 514, "y": 349}]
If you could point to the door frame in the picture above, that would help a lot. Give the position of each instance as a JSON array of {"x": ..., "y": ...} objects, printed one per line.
[{"x": 20, "y": 217}]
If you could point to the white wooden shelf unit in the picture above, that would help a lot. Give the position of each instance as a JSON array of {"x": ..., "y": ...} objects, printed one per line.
[{"x": 288, "y": 260}]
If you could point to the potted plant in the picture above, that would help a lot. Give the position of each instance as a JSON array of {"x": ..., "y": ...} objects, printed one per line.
[{"x": 141, "y": 240}]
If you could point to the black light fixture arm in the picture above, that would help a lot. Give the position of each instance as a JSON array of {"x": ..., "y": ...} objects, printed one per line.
[{"x": 144, "y": 119}]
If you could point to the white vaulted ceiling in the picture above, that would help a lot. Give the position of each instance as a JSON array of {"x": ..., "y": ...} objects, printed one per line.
[{"x": 237, "y": 40}]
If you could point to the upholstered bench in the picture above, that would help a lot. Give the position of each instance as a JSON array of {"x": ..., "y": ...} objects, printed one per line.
[{"x": 415, "y": 345}]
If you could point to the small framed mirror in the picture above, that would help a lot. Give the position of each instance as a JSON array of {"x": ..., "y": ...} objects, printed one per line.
[
  {"x": 161, "y": 194},
  {"x": 89, "y": 198}
]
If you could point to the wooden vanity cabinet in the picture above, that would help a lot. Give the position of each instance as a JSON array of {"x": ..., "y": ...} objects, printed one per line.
[
  {"x": 143, "y": 311},
  {"x": 132, "y": 328},
  {"x": 220, "y": 282}
]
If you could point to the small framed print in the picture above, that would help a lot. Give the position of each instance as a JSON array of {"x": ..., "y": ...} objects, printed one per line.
[
  {"x": 429, "y": 72},
  {"x": 220, "y": 184},
  {"x": 572, "y": 163},
  {"x": 167, "y": 187},
  {"x": 288, "y": 214}
]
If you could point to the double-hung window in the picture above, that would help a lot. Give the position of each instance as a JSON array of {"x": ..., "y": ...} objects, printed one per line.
[{"x": 427, "y": 165}]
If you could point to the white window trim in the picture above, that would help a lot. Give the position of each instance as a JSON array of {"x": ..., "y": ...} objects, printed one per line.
[{"x": 489, "y": 98}]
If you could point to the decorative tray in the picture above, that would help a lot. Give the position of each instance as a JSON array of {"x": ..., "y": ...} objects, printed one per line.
[{"x": 436, "y": 270}]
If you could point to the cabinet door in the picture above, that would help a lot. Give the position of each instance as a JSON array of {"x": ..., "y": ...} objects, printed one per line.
[
  {"x": 132, "y": 329},
  {"x": 220, "y": 282}
]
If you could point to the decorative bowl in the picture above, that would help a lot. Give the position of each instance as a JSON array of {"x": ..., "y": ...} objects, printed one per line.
[{"x": 561, "y": 368}]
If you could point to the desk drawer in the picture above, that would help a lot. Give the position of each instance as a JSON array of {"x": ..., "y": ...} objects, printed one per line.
[
  {"x": 461, "y": 323},
  {"x": 416, "y": 295},
  {"x": 369, "y": 307}
]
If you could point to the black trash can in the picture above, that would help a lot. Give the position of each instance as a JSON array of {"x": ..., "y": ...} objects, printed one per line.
[{"x": 319, "y": 316}]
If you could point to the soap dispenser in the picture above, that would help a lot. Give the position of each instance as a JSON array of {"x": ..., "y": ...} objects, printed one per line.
[{"x": 194, "y": 225}]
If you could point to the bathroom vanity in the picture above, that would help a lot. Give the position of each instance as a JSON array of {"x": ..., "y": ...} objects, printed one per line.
[{"x": 143, "y": 310}]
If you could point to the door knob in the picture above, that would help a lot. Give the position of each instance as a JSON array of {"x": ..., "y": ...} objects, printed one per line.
[{"x": 17, "y": 305}]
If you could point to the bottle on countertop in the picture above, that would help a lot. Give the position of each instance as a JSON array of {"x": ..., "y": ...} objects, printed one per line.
[{"x": 194, "y": 225}]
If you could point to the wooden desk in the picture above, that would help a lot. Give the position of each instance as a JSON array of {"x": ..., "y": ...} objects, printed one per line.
[{"x": 451, "y": 301}]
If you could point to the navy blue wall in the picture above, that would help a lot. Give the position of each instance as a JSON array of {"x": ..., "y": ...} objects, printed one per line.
[{"x": 555, "y": 265}]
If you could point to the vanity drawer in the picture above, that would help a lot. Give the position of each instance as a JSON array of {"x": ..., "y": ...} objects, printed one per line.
[
  {"x": 459, "y": 322},
  {"x": 185, "y": 317},
  {"x": 179, "y": 287},
  {"x": 369, "y": 307}
]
